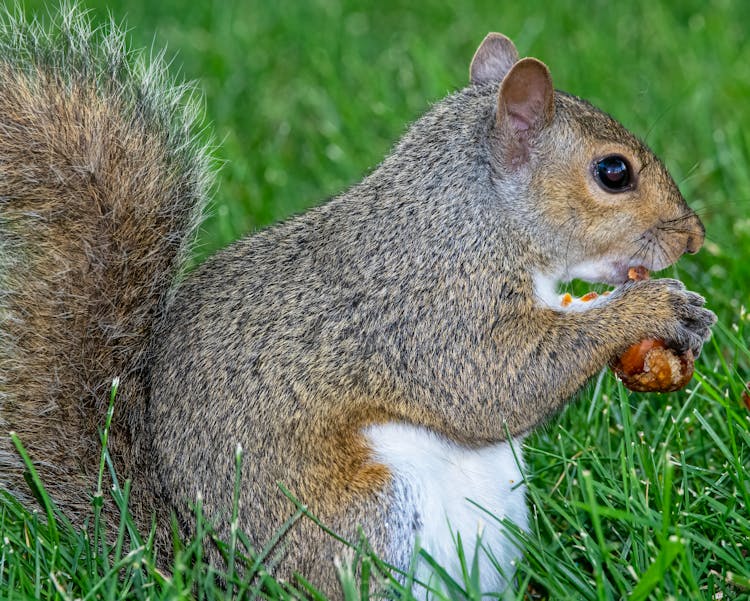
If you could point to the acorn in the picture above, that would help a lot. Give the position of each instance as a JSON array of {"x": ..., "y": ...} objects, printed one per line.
[{"x": 650, "y": 366}]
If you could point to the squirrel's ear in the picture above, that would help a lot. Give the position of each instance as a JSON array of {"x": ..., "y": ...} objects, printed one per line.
[
  {"x": 525, "y": 104},
  {"x": 493, "y": 59}
]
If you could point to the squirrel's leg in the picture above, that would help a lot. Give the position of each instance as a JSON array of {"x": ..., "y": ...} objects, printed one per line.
[{"x": 560, "y": 350}]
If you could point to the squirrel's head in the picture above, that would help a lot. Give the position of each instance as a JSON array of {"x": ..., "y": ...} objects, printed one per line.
[{"x": 598, "y": 198}]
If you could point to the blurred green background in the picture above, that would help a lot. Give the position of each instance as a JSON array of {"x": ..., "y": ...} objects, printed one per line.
[{"x": 305, "y": 97}]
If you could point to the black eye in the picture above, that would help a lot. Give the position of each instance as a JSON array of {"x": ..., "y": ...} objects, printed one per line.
[{"x": 613, "y": 173}]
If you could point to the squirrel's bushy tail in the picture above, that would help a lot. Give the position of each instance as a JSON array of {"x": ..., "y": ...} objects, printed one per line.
[{"x": 102, "y": 182}]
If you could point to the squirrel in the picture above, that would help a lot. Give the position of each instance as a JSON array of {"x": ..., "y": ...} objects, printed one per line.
[{"x": 381, "y": 355}]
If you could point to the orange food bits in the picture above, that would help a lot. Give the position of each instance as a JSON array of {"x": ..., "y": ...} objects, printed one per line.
[
  {"x": 589, "y": 296},
  {"x": 566, "y": 299}
]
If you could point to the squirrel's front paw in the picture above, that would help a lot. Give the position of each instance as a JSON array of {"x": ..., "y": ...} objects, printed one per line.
[{"x": 671, "y": 313}]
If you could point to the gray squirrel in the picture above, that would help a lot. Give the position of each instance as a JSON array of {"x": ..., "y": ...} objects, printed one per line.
[{"x": 378, "y": 355}]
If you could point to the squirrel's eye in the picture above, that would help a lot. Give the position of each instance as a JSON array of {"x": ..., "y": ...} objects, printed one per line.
[{"x": 613, "y": 173}]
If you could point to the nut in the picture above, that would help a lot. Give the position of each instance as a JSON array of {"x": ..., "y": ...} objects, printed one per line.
[{"x": 650, "y": 366}]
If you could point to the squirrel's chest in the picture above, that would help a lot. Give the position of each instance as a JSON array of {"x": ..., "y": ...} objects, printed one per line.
[{"x": 444, "y": 489}]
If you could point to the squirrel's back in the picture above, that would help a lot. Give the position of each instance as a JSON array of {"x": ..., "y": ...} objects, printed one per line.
[{"x": 102, "y": 182}]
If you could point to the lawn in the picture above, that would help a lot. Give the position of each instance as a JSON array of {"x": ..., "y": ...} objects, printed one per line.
[{"x": 632, "y": 496}]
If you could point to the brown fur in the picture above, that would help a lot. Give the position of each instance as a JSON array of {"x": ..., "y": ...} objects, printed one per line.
[
  {"x": 96, "y": 206},
  {"x": 409, "y": 298}
]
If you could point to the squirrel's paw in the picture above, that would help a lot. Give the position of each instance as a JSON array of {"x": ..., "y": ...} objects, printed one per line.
[{"x": 674, "y": 314}]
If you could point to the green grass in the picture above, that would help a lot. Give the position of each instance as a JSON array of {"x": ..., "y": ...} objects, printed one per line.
[{"x": 632, "y": 496}]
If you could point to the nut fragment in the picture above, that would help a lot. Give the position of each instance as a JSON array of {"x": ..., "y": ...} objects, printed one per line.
[
  {"x": 638, "y": 274},
  {"x": 649, "y": 365}
]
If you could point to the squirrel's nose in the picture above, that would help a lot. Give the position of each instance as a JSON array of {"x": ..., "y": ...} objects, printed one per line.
[{"x": 695, "y": 237}]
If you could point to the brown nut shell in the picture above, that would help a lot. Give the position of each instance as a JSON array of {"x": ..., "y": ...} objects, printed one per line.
[{"x": 649, "y": 366}]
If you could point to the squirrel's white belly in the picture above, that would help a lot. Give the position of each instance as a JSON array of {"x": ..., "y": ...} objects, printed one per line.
[{"x": 447, "y": 489}]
